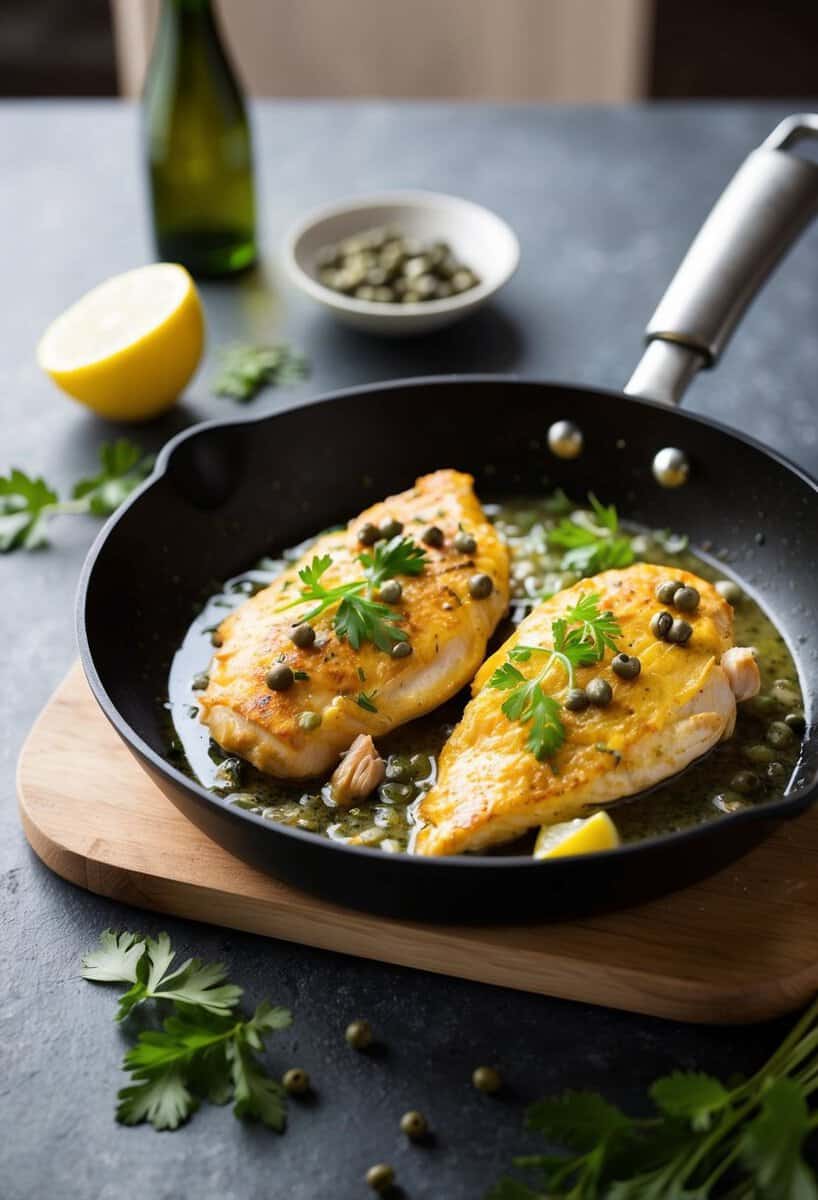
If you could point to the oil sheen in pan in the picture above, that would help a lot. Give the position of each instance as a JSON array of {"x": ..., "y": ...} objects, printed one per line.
[{"x": 753, "y": 766}]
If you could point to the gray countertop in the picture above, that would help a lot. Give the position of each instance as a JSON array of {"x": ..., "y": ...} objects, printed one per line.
[{"x": 604, "y": 202}]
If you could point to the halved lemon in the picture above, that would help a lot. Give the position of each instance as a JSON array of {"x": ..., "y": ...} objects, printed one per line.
[
  {"x": 128, "y": 347},
  {"x": 585, "y": 835}
]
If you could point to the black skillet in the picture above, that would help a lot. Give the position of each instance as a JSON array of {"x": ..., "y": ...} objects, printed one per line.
[{"x": 215, "y": 504}]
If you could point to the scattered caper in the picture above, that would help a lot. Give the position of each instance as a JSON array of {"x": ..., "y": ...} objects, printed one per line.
[
  {"x": 432, "y": 536},
  {"x": 759, "y": 754},
  {"x": 679, "y": 632},
  {"x": 414, "y": 1124},
  {"x": 303, "y": 635},
  {"x": 667, "y": 590},
  {"x": 599, "y": 692},
  {"x": 487, "y": 1079},
  {"x": 797, "y": 723},
  {"x": 368, "y": 534},
  {"x": 401, "y": 650},
  {"x": 309, "y": 721},
  {"x": 280, "y": 678},
  {"x": 397, "y": 793},
  {"x": 365, "y": 263},
  {"x": 776, "y": 770},
  {"x": 780, "y": 734},
  {"x": 744, "y": 782},
  {"x": 465, "y": 543},
  {"x": 359, "y": 1035},
  {"x": 390, "y": 528},
  {"x": 660, "y": 624},
  {"x": 686, "y": 599},
  {"x": 390, "y": 592},
  {"x": 200, "y": 681},
  {"x": 576, "y": 700},
  {"x": 729, "y": 591},
  {"x": 380, "y": 1177},
  {"x": 296, "y": 1081},
  {"x": 626, "y": 666},
  {"x": 480, "y": 586},
  {"x": 398, "y": 769}
]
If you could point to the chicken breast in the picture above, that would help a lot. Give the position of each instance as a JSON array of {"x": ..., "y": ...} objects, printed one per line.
[
  {"x": 447, "y": 629},
  {"x": 491, "y": 788}
]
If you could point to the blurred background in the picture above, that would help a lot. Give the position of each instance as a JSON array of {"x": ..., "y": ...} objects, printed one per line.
[{"x": 570, "y": 51}]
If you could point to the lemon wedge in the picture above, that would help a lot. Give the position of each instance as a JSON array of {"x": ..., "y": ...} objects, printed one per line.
[
  {"x": 586, "y": 835},
  {"x": 128, "y": 347}
]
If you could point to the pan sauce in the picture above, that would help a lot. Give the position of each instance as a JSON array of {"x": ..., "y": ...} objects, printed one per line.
[{"x": 702, "y": 793}]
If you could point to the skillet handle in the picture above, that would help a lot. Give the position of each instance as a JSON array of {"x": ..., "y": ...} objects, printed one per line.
[{"x": 767, "y": 204}]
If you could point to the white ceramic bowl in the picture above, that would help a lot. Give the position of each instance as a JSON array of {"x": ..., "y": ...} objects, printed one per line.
[{"x": 478, "y": 237}]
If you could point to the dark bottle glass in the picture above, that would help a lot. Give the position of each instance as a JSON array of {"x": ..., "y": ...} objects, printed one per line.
[{"x": 198, "y": 145}]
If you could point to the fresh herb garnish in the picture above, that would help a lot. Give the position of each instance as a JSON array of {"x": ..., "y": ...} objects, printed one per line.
[
  {"x": 245, "y": 369},
  {"x": 366, "y": 700},
  {"x": 580, "y": 638},
  {"x": 592, "y": 541},
  {"x": 28, "y": 504},
  {"x": 204, "y": 1050},
  {"x": 708, "y": 1139},
  {"x": 359, "y": 617}
]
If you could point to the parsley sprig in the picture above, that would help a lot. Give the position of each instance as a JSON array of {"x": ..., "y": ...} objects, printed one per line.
[
  {"x": 28, "y": 504},
  {"x": 245, "y": 369},
  {"x": 358, "y": 616},
  {"x": 592, "y": 541},
  {"x": 580, "y": 638},
  {"x": 707, "y": 1139},
  {"x": 203, "y": 1049}
]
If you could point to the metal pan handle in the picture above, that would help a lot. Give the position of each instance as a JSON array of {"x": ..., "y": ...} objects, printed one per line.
[{"x": 767, "y": 204}]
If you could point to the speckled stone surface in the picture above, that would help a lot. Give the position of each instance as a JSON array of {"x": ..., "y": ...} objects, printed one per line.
[{"x": 604, "y": 203}]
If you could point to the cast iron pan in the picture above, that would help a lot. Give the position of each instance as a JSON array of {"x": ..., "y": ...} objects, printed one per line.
[{"x": 223, "y": 494}]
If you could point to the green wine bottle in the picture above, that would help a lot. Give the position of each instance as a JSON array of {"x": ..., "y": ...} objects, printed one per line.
[{"x": 197, "y": 140}]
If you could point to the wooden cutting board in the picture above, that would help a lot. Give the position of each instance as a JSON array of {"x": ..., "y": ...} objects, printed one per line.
[{"x": 739, "y": 947}]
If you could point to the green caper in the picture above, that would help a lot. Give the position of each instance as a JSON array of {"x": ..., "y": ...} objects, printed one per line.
[
  {"x": 443, "y": 290},
  {"x": 380, "y": 1177},
  {"x": 729, "y": 591},
  {"x": 626, "y": 666},
  {"x": 462, "y": 281},
  {"x": 296, "y": 1081},
  {"x": 759, "y": 754},
  {"x": 679, "y": 632},
  {"x": 480, "y": 586},
  {"x": 398, "y": 768},
  {"x": 667, "y": 590},
  {"x": 686, "y": 599},
  {"x": 303, "y": 635},
  {"x": 414, "y": 1124},
  {"x": 279, "y": 678},
  {"x": 661, "y": 624},
  {"x": 359, "y": 1035},
  {"x": 200, "y": 681},
  {"x": 309, "y": 721},
  {"x": 487, "y": 1079},
  {"x": 432, "y": 536},
  {"x": 776, "y": 771},
  {"x": 762, "y": 705},
  {"x": 599, "y": 692},
  {"x": 420, "y": 766},
  {"x": 390, "y": 528},
  {"x": 576, "y": 700},
  {"x": 390, "y": 592},
  {"x": 397, "y": 793},
  {"x": 797, "y": 723},
  {"x": 384, "y": 295},
  {"x": 744, "y": 782},
  {"x": 465, "y": 543},
  {"x": 368, "y": 534},
  {"x": 401, "y": 650},
  {"x": 779, "y": 734},
  {"x": 365, "y": 292},
  {"x": 410, "y": 296}
]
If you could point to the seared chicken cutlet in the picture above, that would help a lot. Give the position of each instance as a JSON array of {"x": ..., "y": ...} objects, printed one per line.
[
  {"x": 491, "y": 786},
  {"x": 333, "y": 691}
]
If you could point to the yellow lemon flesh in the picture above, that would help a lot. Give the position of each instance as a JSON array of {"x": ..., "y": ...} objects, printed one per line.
[
  {"x": 129, "y": 346},
  {"x": 584, "y": 836}
]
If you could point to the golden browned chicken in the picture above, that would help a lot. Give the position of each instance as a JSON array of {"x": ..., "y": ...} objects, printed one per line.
[
  {"x": 292, "y": 700},
  {"x": 492, "y": 787}
]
